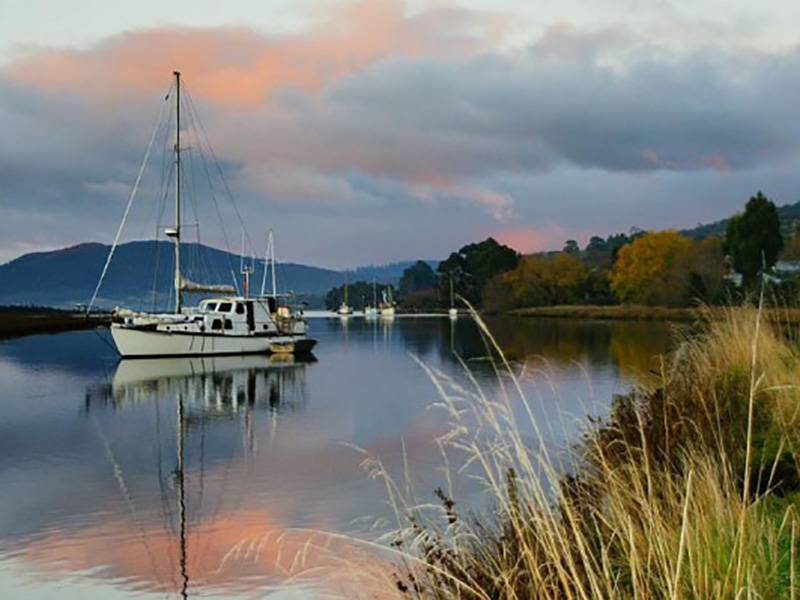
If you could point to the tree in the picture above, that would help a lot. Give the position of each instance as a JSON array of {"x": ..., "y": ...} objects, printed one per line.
[
  {"x": 538, "y": 280},
  {"x": 417, "y": 278},
  {"x": 571, "y": 247},
  {"x": 643, "y": 268},
  {"x": 753, "y": 238},
  {"x": 359, "y": 294},
  {"x": 698, "y": 275},
  {"x": 473, "y": 266},
  {"x": 791, "y": 251}
]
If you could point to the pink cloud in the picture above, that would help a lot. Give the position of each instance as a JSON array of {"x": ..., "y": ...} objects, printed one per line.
[
  {"x": 426, "y": 188},
  {"x": 534, "y": 239},
  {"x": 712, "y": 161},
  {"x": 240, "y": 66},
  {"x": 716, "y": 162}
]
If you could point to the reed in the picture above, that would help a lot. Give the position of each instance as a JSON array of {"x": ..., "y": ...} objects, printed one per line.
[{"x": 686, "y": 489}]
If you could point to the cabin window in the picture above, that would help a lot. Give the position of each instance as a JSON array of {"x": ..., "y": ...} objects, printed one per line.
[
  {"x": 240, "y": 309},
  {"x": 216, "y": 324},
  {"x": 225, "y": 307},
  {"x": 228, "y": 324},
  {"x": 211, "y": 306},
  {"x": 272, "y": 303}
]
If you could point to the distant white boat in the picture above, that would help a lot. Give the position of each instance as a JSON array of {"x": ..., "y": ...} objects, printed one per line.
[
  {"x": 387, "y": 306},
  {"x": 453, "y": 312},
  {"x": 226, "y": 324},
  {"x": 345, "y": 309}
]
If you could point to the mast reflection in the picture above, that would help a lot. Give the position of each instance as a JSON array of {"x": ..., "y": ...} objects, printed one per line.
[{"x": 204, "y": 390}]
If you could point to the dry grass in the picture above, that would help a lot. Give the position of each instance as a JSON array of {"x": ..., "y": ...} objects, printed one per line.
[{"x": 686, "y": 490}]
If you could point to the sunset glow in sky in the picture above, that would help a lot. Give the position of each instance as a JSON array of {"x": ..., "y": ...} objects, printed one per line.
[{"x": 369, "y": 131}]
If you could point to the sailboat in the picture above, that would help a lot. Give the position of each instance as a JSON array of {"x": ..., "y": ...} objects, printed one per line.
[
  {"x": 228, "y": 323},
  {"x": 345, "y": 309},
  {"x": 371, "y": 310},
  {"x": 453, "y": 312},
  {"x": 387, "y": 304}
]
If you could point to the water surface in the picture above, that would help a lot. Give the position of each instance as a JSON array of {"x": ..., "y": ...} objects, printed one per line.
[{"x": 198, "y": 477}]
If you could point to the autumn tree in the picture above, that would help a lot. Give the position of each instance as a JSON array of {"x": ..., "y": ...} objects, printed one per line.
[
  {"x": 753, "y": 238},
  {"x": 538, "y": 280},
  {"x": 697, "y": 275},
  {"x": 642, "y": 271},
  {"x": 791, "y": 251}
]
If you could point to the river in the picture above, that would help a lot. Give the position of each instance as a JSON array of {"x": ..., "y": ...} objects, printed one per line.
[{"x": 178, "y": 477}]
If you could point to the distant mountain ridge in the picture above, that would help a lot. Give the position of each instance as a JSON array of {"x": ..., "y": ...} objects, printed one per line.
[
  {"x": 788, "y": 214},
  {"x": 66, "y": 277}
]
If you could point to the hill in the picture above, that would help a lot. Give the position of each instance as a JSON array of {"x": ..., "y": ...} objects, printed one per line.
[
  {"x": 63, "y": 278},
  {"x": 788, "y": 213}
]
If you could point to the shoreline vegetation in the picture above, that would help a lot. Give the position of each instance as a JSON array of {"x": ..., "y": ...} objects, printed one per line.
[
  {"x": 650, "y": 275},
  {"x": 687, "y": 488},
  {"x": 786, "y": 316},
  {"x": 19, "y": 321}
]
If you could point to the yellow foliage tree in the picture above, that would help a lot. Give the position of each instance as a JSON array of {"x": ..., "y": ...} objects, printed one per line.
[
  {"x": 538, "y": 279},
  {"x": 643, "y": 268}
]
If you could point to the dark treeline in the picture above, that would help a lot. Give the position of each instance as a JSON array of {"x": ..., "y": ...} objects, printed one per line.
[
  {"x": 657, "y": 268},
  {"x": 359, "y": 295}
]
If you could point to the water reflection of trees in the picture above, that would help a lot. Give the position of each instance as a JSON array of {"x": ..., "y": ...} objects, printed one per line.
[
  {"x": 634, "y": 347},
  {"x": 210, "y": 387}
]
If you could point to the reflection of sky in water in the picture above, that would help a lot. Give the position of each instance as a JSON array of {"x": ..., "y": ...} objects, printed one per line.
[{"x": 89, "y": 448}]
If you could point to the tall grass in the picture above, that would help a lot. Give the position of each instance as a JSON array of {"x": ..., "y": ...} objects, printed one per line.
[{"x": 685, "y": 490}]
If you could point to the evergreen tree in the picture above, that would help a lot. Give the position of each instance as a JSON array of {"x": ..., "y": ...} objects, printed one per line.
[
  {"x": 753, "y": 238},
  {"x": 416, "y": 278}
]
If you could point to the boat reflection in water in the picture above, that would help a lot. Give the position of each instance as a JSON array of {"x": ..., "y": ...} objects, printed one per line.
[
  {"x": 205, "y": 390},
  {"x": 221, "y": 385}
]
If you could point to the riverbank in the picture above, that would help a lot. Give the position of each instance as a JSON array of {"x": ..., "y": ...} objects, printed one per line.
[
  {"x": 629, "y": 313},
  {"x": 689, "y": 489},
  {"x": 18, "y": 321},
  {"x": 648, "y": 313}
]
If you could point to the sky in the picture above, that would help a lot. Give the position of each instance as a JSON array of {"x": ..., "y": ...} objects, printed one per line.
[{"x": 370, "y": 131}]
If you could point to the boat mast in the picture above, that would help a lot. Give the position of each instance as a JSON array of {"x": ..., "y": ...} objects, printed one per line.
[
  {"x": 451, "y": 292},
  {"x": 177, "y": 192},
  {"x": 269, "y": 265},
  {"x": 272, "y": 256},
  {"x": 181, "y": 481}
]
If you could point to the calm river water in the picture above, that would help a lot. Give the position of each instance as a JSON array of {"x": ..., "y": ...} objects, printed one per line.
[{"x": 171, "y": 477}]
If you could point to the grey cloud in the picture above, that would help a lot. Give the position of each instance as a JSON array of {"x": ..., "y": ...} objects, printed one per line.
[
  {"x": 538, "y": 109},
  {"x": 566, "y": 128}
]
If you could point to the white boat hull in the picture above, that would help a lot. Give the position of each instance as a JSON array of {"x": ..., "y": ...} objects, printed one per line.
[{"x": 132, "y": 342}]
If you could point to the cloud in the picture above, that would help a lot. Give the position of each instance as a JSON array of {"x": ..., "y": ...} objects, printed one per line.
[
  {"x": 242, "y": 67},
  {"x": 532, "y": 239},
  {"x": 374, "y": 108}
]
